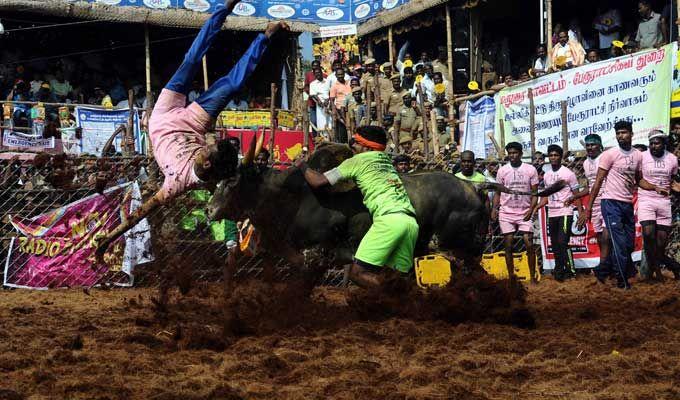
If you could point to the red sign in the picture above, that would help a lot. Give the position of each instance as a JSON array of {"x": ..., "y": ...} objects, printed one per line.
[
  {"x": 287, "y": 144},
  {"x": 583, "y": 242}
]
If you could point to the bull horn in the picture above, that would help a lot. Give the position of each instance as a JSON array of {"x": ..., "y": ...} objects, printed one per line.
[
  {"x": 250, "y": 154},
  {"x": 260, "y": 143}
]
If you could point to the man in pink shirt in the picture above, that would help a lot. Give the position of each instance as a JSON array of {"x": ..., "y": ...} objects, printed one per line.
[
  {"x": 177, "y": 130},
  {"x": 561, "y": 212},
  {"x": 339, "y": 90},
  {"x": 620, "y": 166},
  {"x": 590, "y": 167},
  {"x": 659, "y": 168},
  {"x": 514, "y": 211}
]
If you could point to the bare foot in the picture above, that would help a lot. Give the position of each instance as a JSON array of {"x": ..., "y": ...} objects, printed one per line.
[{"x": 274, "y": 27}]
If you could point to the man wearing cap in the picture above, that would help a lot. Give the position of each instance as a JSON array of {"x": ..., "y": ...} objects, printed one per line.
[
  {"x": 659, "y": 168},
  {"x": 590, "y": 167},
  {"x": 357, "y": 108},
  {"x": 373, "y": 120},
  {"x": 369, "y": 73},
  {"x": 618, "y": 171},
  {"x": 407, "y": 122},
  {"x": 391, "y": 239},
  {"x": 514, "y": 212},
  {"x": 395, "y": 101},
  {"x": 385, "y": 81},
  {"x": 560, "y": 212}
]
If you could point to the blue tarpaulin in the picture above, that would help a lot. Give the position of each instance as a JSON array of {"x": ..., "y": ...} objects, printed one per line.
[{"x": 323, "y": 12}]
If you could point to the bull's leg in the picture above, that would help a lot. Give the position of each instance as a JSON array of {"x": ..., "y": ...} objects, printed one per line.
[{"x": 509, "y": 262}]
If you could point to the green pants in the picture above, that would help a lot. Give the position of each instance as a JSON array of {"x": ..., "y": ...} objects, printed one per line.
[{"x": 390, "y": 242}]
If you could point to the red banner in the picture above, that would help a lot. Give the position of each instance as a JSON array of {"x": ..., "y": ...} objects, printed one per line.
[
  {"x": 287, "y": 144},
  {"x": 583, "y": 242}
]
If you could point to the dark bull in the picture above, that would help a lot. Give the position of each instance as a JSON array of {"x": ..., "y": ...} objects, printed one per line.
[{"x": 291, "y": 217}]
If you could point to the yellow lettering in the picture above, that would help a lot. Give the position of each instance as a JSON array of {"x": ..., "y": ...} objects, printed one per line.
[
  {"x": 30, "y": 247},
  {"x": 54, "y": 249},
  {"x": 22, "y": 244},
  {"x": 40, "y": 247},
  {"x": 78, "y": 229}
]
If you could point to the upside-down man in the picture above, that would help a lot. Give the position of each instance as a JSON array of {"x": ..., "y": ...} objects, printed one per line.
[{"x": 177, "y": 131}]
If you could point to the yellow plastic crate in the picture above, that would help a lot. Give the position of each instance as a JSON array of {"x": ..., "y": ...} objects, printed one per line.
[
  {"x": 432, "y": 270},
  {"x": 494, "y": 264}
]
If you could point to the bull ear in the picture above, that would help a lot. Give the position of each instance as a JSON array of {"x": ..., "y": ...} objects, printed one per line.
[{"x": 250, "y": 155}]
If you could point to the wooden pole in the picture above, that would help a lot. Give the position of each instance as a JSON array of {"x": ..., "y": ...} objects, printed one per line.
[
  {"x": 501, "y": 124},
  {"x": 421, "y": 105},
  {"x": 147, "y": 50},
  {"x": 495, "y": 143},
  {"x": 549, "y": 46},
  {"x": 129, "y": 139},
  {"x": 390, "y": 43},
  {"x": 532, "y": 122},
  {"x": 435, "y": 132},
  {"x": 370, "y": 48},
  {"x": 565, "y": 128},
  {"x": 378, "y": 102},
  {"x": 272, "y": 118},
  {"x": 205, "y": 73},
  {"x": 449, "y": 47}
]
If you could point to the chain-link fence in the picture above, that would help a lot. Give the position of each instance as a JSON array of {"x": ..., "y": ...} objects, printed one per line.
[{"x": 186, "y": 247}]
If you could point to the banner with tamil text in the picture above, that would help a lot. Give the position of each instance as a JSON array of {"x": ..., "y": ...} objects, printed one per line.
[
  {"x": 479, "y": 124},
  {"x": 56, "y": 249},
  {"x": 634, "y": 87},
  {"x": 256, "y": 118}
]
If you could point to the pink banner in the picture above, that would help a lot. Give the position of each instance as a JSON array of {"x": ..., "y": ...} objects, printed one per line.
[{"x": 56, "y": 249}]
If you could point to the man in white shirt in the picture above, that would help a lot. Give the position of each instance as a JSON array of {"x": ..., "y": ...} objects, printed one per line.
[
  {"x": 649, "y": 31},
  {"x": 608, "y": 26},
  {"x": 319, "y": 92},
  {"x": 237, "y": 102},
  {"x": 541, "y": 62}
]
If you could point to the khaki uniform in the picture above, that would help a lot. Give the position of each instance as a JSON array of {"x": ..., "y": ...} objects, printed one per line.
[
  {"x": 358, "y": 112},
  {"x": 368, "y": 81},
  {"x": 395, "y": 102},
  {"x": 408, "y": 118},
  {"x": 438, "y": 66}
]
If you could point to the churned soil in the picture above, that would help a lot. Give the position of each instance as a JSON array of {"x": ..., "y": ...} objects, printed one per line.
[{"x": 479, "y": 339}]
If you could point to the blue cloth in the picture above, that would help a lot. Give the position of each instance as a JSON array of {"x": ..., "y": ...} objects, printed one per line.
[
  {"x": 181, "y": 81},
  {"x": 619, "y": 221},
  {"x": 218, "y": 95}
]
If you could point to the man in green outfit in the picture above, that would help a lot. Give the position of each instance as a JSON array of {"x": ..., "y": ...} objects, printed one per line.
[
  {"x": 391, "y": 240},
  {"x": 468, "y": 172}
]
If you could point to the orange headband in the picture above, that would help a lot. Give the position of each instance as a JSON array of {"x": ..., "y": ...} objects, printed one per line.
[{"x": 367, "y": 143}]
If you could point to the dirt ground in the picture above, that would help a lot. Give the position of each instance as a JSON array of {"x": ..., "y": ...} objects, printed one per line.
[{"x": 589, "y": 342}]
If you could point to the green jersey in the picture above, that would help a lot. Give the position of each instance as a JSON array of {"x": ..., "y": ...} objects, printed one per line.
[
  {"x": 378, "y": 181},
  {"x": 475, "y": 178}
]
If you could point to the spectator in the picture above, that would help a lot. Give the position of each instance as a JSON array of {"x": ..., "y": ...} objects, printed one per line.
[
  {"x": 649, "y": 33},
  {"x": 259, "y": 102},
  {"x": 238, "y": 101},
  {"x": 669, "y": 29},
  {"x": 319, "y": 92},
  {"x": 592, "y": 57},
  {"x": 61, "y": 88},
  {"x": 440, "y": 63},
  {"x": 402, "y": 163},
  {"x": 196, "y": 91},
  {"x": 617, "y": 48},
  {"x": 441, "y": 94},
  {"x": 309, "y": 78},
  {"x": 407, "y": 122},
  {"x": 402, "y": 57},
  {"x": 631, "y": 47},
  {"x": 331, "y": 78},
  {"x": 674, "y": 136},
  {"x": 35, "y": 84},
  {"x": 618, "y": 169},
  {"x": 45, "y": 94},
  {"x": 339, "y": 90},
  {"x": 567, "y": 53},
  {"x": 467, "y": 168},
  {"x": 357, "y": 108},
  {"x": 386, "y": 70},
  {"x": 540, "y": 65},
  {"x": 408, "y": 80},
  {"x": 395, "y": 101},
  {"x": 262, "y": 161},
  {"x": 560, "y": 213},
  {"x": 444, "y": 131},
  {"x": 608, "y": 25}
]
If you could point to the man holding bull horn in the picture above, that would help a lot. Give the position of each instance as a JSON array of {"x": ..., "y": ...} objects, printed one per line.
[
  {"x": 391, "y": 240},
  {"x": 178, "y": 131}
]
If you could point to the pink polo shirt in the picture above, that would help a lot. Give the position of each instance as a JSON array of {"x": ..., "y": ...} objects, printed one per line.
[
  {"x": 521, "y": 179},
  {"x": 556, "y": 201},
  {"x": 177, "y": 135},
  {"x": 590, "y": 167},
  {"x": 659, "y": 172},
  {"x": 339, "y": 91},
  {"x": 622, "y": 166}
]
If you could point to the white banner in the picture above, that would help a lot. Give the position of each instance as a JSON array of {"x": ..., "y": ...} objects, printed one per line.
[
  {"x": 13, "y": 139},
  {"x": 336, "y": 30},
  {"x": 479, "y": 124},
  {"x": 634, "y": 87}
]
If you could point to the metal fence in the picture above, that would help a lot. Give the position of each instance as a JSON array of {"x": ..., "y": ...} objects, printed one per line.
[{"x": 186, "y": 247}]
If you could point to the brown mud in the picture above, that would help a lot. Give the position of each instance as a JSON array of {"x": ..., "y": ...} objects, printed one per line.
[{"x": 476, "y": 340}]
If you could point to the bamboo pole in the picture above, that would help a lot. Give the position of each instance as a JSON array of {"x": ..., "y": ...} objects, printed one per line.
[
  {"x": 147, "y": 57},
  {"x": 532, "y": 122},
  {"x": 390, "y": 44},
  {"x": 435, "y": 132},
  {"x": 495, "y": 143},
  {"x": 370, "y": 48},
  {"x": 565, "y": 128},
  {"x": 421, "y": 105},
  {"x": 549, "y": 46},
  {"x": 129, "y": 139},
  {"x": 378, "y": 100},
  {"x": 272, "y": 118},
  {"x": 501, "y": 124},
  {"x": 449, "y": 47},
  {"x": 205, "y": 73}
]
